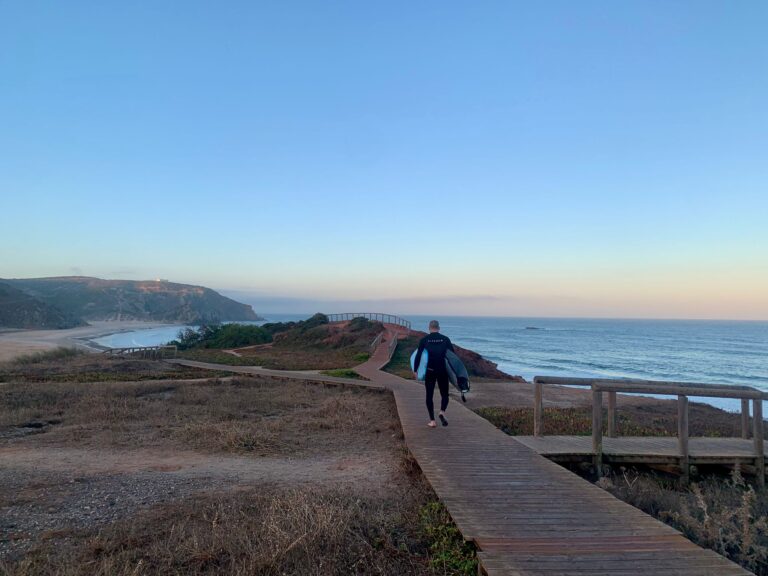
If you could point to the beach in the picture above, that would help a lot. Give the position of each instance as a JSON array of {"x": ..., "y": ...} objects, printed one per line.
[{"x": 15, "y": 343}]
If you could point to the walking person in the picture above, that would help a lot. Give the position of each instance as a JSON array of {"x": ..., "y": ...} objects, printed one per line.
[{"x": 436, "y": 346}]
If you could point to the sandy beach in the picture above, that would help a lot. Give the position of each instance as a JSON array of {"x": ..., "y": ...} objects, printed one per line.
[{"x": 18, "y": 342}]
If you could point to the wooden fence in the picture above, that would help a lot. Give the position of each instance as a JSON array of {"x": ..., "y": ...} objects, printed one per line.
[
  {"x": 151, "y": 352},
  {"x": 374, "y": 316},
  {"x": 683, "y": 390}
]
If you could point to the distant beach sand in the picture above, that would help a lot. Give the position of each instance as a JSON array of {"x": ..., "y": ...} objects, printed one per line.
[{"x": 15, "y": 343}]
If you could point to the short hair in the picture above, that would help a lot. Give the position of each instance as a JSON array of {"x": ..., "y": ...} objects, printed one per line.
[{"x": 434, "y": 325}]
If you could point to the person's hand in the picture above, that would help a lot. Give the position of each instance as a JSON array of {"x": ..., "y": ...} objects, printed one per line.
[{"x": 415, "y": 376}]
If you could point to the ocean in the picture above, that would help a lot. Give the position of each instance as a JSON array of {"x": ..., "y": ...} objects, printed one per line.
[{"x": 729, "y": 352}]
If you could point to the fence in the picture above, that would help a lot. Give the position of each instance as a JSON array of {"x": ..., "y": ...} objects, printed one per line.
[
  {"x": 374, "y": 316},
  {"x": 152, "y": 352},
  {"x": 680, "y": 389}
]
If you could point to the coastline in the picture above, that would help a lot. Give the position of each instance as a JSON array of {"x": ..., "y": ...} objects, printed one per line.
[{"x": 14, "y": 343}]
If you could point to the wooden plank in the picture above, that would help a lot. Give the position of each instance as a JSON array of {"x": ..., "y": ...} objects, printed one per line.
[
  {"x": 612, "y": 414},
  {"x": 597, "y": 431},
  {"x": 538, "y": 409},
  {"x": 682, "y": 436},
  {"x": 744, "y": 418},
  {"x": 759, "y": 435}
]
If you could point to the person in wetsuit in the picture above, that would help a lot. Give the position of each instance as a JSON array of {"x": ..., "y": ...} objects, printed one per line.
[{"x": 436, "y": 345}]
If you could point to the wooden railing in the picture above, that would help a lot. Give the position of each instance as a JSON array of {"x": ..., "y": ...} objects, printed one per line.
[
  {"x": 376, "y": 342},
  {"x": 143, "y": 351},
  {"x": 374, "y": 316},
  {"x": 683, "y": 390},
  {"x": 392, "y": 346}
]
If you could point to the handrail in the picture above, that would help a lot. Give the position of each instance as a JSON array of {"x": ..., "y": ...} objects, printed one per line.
[
  {"x": 392, "y": 346},
  {"x": 375, "y": 316},
  {"x": 681, "y": 389},
  {"x": 145, "y": 351},
  {"x": 376, "y": 341}
]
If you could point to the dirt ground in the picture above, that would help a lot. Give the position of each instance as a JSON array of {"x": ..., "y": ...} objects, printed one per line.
[{"x": 86, "y": 463}]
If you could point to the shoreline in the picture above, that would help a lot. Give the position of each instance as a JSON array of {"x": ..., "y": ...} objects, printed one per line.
[{"x": 14, "y": 343}]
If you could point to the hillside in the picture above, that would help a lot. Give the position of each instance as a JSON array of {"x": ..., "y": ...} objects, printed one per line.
[
  {"x": 20, "y": 310},
  {"x": 477, "y": 366},
  {"x": 159, "y": 301},
  {"x": 311, "y": 344}
]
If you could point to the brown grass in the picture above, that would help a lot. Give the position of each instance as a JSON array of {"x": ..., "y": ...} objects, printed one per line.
[
  {"x": 651, "y": 419},
  {"x": 259, "y": 415},
  {"x": 725, "y": 515},
  {"x": 79, "y": 367}
]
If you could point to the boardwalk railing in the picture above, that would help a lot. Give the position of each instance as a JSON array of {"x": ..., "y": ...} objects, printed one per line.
[
  {"x": 374, "y": 316},
  {"x": 392, "y": 346},
  {"x": 683, "y": 390},
  {"x": 143, "y": 351},
  {"x": 376, "y": 342}
]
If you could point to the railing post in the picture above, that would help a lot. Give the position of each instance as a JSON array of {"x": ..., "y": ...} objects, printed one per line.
[
  {"x": 538, "y": 408},
  {"x": 597, "y": 431},
  {"x": 757, "y": 424},
  {"x": 611, "y": 414},
  {"x": 682, "y": 436},
  {"x": 744, "y": 418}
]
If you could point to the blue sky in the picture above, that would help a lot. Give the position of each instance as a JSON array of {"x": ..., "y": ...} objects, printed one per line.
[{"x": 538, "y": 158}]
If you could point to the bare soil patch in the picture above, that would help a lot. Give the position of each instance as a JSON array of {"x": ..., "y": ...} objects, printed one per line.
[{"x": 249, "y": 475}]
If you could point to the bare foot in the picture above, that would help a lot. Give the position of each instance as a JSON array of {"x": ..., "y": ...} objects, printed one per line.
[{"x": 432, "y": 424}]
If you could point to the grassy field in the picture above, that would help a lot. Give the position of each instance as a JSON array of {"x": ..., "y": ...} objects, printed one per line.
[
  {"x": 70, "y": 365},
  {"x": 307, "y": 346},
  {"x": 723, "y": 513},
  {"x": 249, "y": 475}
]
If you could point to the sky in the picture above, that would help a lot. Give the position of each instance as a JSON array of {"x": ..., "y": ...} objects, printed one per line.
[{"x": 559, "y": 158}]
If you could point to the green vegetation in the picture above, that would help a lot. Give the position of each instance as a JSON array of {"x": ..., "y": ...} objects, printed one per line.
[
  {"x": 222, "y": 336},
  {"x": 21, "y": 310},
  {"x": 400, "y": 364},
  {"x": 449, "y": 553},
  {"x": 96, "y": 299}
]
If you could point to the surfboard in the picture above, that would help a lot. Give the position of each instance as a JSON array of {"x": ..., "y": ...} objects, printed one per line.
[
  {"x": 422, "y": 373},
  {"x": 457, "y": 373}
]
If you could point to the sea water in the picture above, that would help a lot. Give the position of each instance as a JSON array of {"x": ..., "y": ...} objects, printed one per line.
[{"x": 724, "y": 352}]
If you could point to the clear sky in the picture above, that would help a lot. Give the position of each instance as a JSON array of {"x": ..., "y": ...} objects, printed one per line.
[{"x": 504, "y": 158}]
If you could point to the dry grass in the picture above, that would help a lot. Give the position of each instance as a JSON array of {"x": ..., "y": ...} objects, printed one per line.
[
  {"x": 725, "y": 515},
  {"x": 64, "y": 365},
  {"x": 652, "y": 419},
  {"x": 323, "y": 528},
  {"x": 269, "y": 531},
  {"x": 259, "y": 415}
]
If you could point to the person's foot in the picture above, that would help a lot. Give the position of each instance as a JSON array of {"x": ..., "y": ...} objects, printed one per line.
[
  {"x": 432, "y": 424},
  {"x": 443, "y": 421}
]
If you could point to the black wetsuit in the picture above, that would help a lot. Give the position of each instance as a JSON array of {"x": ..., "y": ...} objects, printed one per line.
[{"x": 436, "y": 345}]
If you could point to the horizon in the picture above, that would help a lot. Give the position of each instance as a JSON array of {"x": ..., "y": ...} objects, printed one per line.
[{"x": 584, "y": 161}]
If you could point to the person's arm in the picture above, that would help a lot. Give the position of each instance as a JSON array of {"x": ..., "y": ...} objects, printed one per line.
[
  {"x": 418, "y": 356},
  {"x": 449, "y": 346}
]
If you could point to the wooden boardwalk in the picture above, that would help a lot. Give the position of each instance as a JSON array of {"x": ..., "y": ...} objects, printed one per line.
[{"x": 527, "y": 515}]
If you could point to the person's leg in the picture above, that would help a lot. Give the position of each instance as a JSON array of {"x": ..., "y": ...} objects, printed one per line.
[
  {"x": 442, "y": 383},
  {"x": 429, "y": 385}
]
